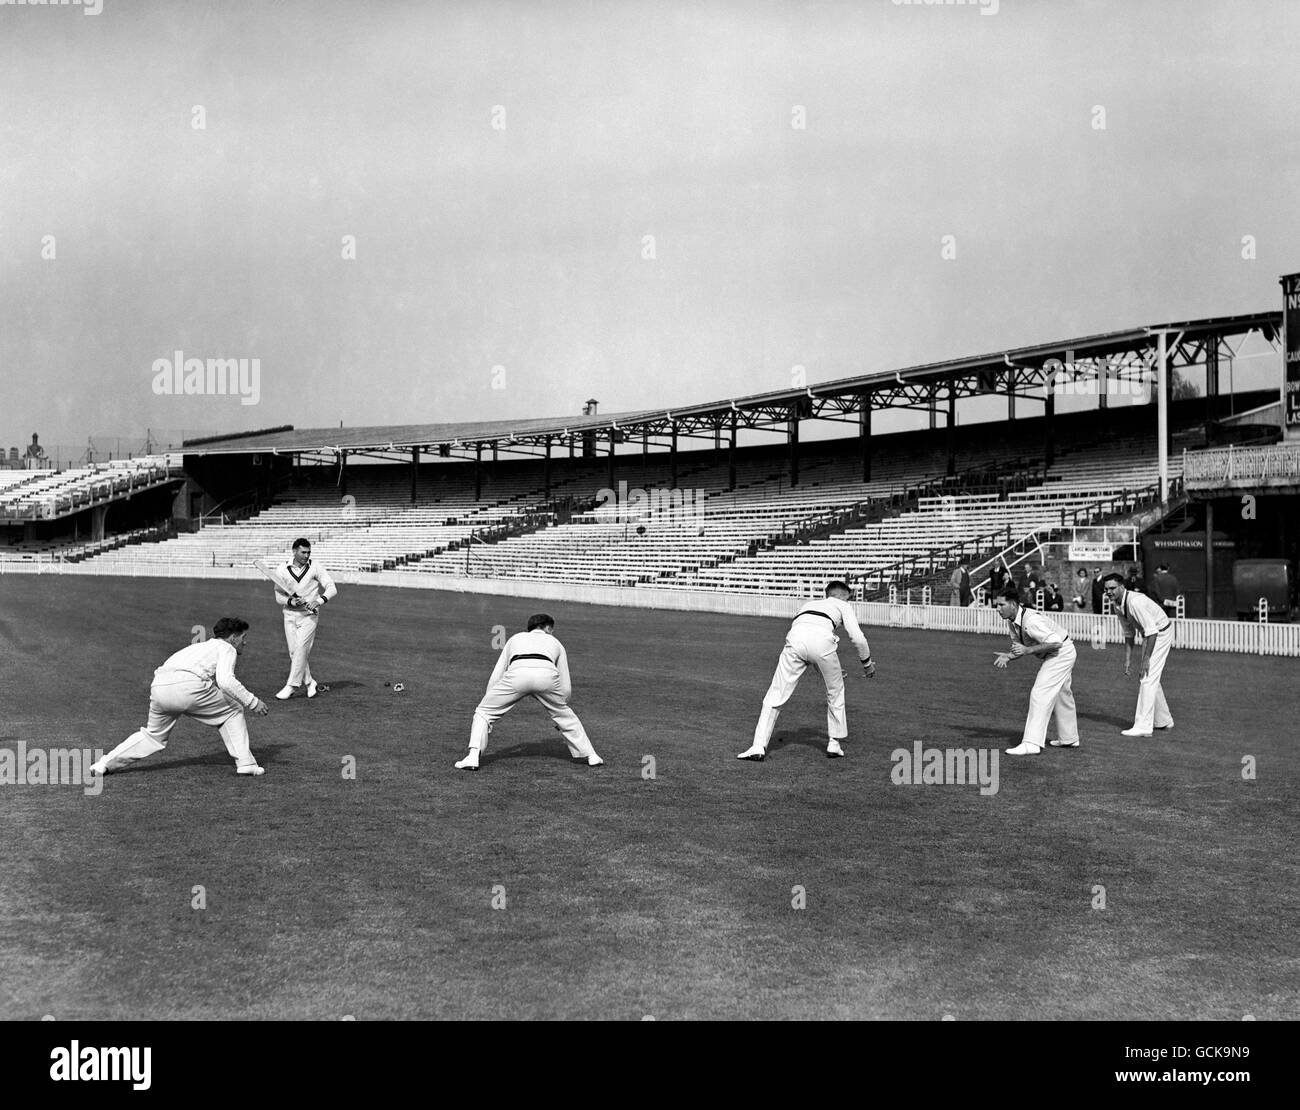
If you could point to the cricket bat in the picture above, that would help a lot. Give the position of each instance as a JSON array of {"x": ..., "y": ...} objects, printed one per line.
[{"x": 278, "y": 577}]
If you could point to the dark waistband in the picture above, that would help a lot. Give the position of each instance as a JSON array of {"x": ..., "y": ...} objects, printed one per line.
[
  {"x": 816, "y": 613},
  {"x": 533, "y": 656}
]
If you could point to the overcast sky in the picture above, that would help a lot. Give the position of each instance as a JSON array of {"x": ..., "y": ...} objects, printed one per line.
[{"x": 523, "y": 246}]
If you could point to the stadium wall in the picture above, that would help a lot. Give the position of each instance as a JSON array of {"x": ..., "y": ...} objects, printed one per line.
[{"x": 1245, "y": 637}]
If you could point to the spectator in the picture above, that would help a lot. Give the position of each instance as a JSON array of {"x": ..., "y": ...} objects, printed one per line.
[
  {"x": 1030, "y": 591},
  {"x": 1165, "y": 589},
  {"x": 1133, "y": 581},
  {"x": 954, "y": 582},
  {"x": 964, "y": 588},
  {"x": 1098, "y": 590},
  {"x": 1081, "y": 588},
  {"x": 1053, "y": 602},
  {"x": 998, "y": 575}
]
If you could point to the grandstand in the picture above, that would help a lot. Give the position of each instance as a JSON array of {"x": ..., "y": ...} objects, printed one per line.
[
  {"x": 763, "y": 536},
  {"x": 879, "y": 510}
]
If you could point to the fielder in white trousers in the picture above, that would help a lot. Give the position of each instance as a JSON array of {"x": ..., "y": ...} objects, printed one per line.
[
  {"x": 199, "y": 682},
  {"x": 532, "y": 664},
  {"x": 1035, "y": 634},
  {"x": 811, "y": 642},
  {"x": 1139, "y": 613}
]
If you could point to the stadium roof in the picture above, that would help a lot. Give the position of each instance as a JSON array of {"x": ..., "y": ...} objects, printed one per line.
[{"x": 1017, "y": 372}]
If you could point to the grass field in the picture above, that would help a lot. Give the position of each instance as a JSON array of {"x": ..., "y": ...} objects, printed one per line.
[{"x": 625, "y": 895}]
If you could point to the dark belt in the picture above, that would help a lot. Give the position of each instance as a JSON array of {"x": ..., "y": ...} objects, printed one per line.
[
  {"x": 546, "y": 657},
  {"x": 817, "y": 613},
  {"x": 1167, "y": 626}
]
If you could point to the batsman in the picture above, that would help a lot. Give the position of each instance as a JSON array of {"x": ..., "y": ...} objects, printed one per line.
[{"x": 302, "y": 587}]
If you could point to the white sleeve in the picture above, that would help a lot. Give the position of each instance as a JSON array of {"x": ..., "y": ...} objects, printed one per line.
[
  {"x": 328, "y": 589},
  {"x": 226, "y": 680},
  {"x": 854, "y": 631}
]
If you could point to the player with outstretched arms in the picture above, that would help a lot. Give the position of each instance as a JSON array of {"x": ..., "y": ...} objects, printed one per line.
[
  {"x": 811, "y": 641},
  {"x": 198, "y": 681}
]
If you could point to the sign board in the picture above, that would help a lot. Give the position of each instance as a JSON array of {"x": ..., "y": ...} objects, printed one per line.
[
  {"x": 1291, "y": 356},
  {"x": 1091, "y": 552}
]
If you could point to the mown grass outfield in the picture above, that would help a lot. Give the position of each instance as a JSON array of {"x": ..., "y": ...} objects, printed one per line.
[{"x": 627, "y": 896}]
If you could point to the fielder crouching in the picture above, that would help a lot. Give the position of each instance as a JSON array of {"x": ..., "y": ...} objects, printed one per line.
[
  {"x": 532, "y": 664},
  {"x": 1035, "y": 633},
  {"x": 198, "y": 681},
  {"x": 811, "y": 642}
]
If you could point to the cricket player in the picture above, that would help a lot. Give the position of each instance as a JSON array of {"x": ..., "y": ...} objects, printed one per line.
[
  {"x": 1034, "y": 633},
  {"x": 532, "y": 664},
  {"x": 1139, "y": 613},
  {"x": 301, "y": 588},
  {"x": 811, "y": 641},
  {"x": 198, "y": 681}
]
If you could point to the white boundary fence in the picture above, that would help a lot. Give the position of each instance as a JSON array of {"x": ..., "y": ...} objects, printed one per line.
[{"x": 1245, "y": 637}]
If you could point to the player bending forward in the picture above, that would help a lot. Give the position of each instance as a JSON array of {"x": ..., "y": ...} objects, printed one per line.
[
  {"x": 532, "y": 664},
  {"x": 198, "y": 681},
  {"x": 1035, "y": 633},
  {"x": 812, "y": 641}
]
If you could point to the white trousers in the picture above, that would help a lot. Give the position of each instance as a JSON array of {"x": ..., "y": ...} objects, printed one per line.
[
  {"x": 1152, "y": 709},
  {"x": 1053, "y": 695},
  {"x": 177, "y": 694},
  {"x": 523, "y": 680},
  {"x": 804, "y": 649},
  {"x": 300, "y": 634}
]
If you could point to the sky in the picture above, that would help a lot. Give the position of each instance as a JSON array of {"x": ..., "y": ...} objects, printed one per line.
[{"x": 648, "y": 203}]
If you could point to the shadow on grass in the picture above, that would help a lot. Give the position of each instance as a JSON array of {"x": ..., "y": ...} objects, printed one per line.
[
  {"x": 218, "y": 758},
  {"x": 535, "y": 750}
]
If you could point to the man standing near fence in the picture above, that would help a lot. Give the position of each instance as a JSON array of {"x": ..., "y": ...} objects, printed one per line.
[
  {"x": 1138, "y": 613},
  {"x": 312, "y": 587}
]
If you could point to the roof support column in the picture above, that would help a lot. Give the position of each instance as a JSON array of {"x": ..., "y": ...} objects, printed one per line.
[
  {"x": 1209, "y": 559},
  {"x": 613, "y": 439},
  {"x": 672, "y": 459},
  {"x": 546, "y": 470},
  {"x": 415, "y": 471},
  {"x": 1211, "y": 383},
  {"x": 952, "y": 428},
  {"x": 731, "y": 455},
  {"x": 794, "y": 446},
  {"x": 1011, "y": 394},
  {"x": 1162, "y": 412},
  {"x": 343, "y": 474},
  {"x": 1049, "y": 421},
  {"x": 478, "y": 471},
  {"x": 864, "y": 433}
]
